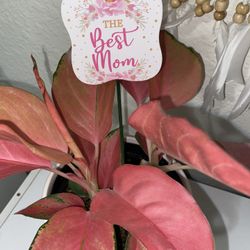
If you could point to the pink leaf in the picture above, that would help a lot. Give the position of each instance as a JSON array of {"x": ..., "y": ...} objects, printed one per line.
[
  {"x": 8, "y": 167},
  {"x": 179, "y": 139},
  {"x": 74, "y": 229},
  {"x": 109, "y": 159},
  {"x": 54, "y": 113},
  {"x": 86, "y": 109},
  {"x": 181, "y": 75},
  {"x": 155, "y": 209},
  {"x": 87, "y": 148},
  {"x": 29, "y": 117},
  {"x": 134, "y": 244},
  {"x": 48, "y": 206},
  {"x": 239, "y": 151},
  {"x": 142, "y": 142},
  {"x": 138, "y": 90},
  {"x": 12, "y": 150},
  {"x": 28, "y": 137},
  {"x": 50, "y": 154}
]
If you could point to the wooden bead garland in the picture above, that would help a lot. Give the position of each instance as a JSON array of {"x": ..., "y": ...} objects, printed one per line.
[
  {"x": 207, "y": 7},
  {"x": 242, "y": 8},
  {"x": 202, "y": 7},
  {"x": 200, "y": 2},
  {"x": 239, "y": 18},
  {"x": 220, "y": 7},
  {"x": 241, "y": 12},
  {"x": 198, "y": 11},
  {"x": 175, "y": 4},
  {"x": 219, "y": 15}
]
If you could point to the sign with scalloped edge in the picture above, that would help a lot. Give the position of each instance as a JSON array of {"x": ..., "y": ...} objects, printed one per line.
[{"x": 114, "y": 39}]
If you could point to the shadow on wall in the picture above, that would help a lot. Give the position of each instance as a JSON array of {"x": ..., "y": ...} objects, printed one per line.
[
  {"x": 47, "y": 66},
  {"x": 4, "y": 81},
  {"x": 221, "y": 130},
  {"x": 218, "y": 128},
  {"x": 31, "y": 87},
  {"x": 8, "y": 187},
  {"x": 214, "y": 217}
]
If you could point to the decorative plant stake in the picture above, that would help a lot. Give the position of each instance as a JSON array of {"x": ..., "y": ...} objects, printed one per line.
[
  {"x": 114, "y": 39},
  {"x": 156, "y": 211}
]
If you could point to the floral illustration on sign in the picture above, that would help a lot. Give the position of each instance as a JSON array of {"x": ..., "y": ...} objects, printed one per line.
[
  {"x": 113, "y": 36},
  {"x": 91, "y": 10},
  {"x": 131, "y": 74}
]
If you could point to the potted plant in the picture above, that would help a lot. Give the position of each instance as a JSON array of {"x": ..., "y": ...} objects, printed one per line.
[{"x": 125, "y": 206}]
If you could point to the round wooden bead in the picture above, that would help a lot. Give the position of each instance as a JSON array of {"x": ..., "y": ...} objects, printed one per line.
[
  {"x": 207, "y": 7},
  {"x": 242, "y": 8},
  {"x": 238, "y": 18},
  {"x": 200, "y": 2},
  {"x": 198, "y": 11},
  {"x": 175, "y": 3},
  {"x": 218, "y": 16},
  {"x": 221, "y": 5}
]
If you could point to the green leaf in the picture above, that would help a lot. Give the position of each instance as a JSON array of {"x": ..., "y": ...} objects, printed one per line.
[
  {"x": 48, "y": 206},
  {"x": 76, "y": 189}
]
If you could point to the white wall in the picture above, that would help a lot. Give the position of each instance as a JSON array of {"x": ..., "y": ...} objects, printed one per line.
[
  {"x": 199, "y": 34},
  {"x": 36, "y": 27},
  {"x": 30, "y": 27}
]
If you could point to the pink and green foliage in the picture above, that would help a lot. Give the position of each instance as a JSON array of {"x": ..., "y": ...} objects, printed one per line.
[
  {"x": 179, "y": 139},
  {"x": 179, "y": 79},
  {"x": 74, "y": 228},
  {"x": 109, "y": 159},
  {"x": 48, "y": 206},
  {"x": 140, "y": 193},
  {"x": 87, "y": 110},
  {"x": 181, "y": 76},
  {"x": 134, "y": 244},
  {"x": 75, "y": 129},
  {"x": 22, "y": 147},
  {"x": 138, "y": 90}
]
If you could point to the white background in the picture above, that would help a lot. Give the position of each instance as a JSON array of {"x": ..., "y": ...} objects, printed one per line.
[{"x": 36, "y": 27}]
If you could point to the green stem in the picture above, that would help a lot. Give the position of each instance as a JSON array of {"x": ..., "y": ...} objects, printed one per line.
[
  {"x": 91, "y": 183},
  {"x": 77, "y": 180},
  {"x": 119, "y": 101},
  {"x": 149, "y": 147},
  {"x": 96, "y": 163}
]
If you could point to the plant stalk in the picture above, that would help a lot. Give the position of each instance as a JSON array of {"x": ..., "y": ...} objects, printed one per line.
[
  {"x": 54, "y": 113},
  {"x": 81, "y": 183},
  {"x": 92, "y": 185},
  {"x": 96, "y": 163},
  {"x": 75, "y": 170},
  {"x": 119, "y": 102}
]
